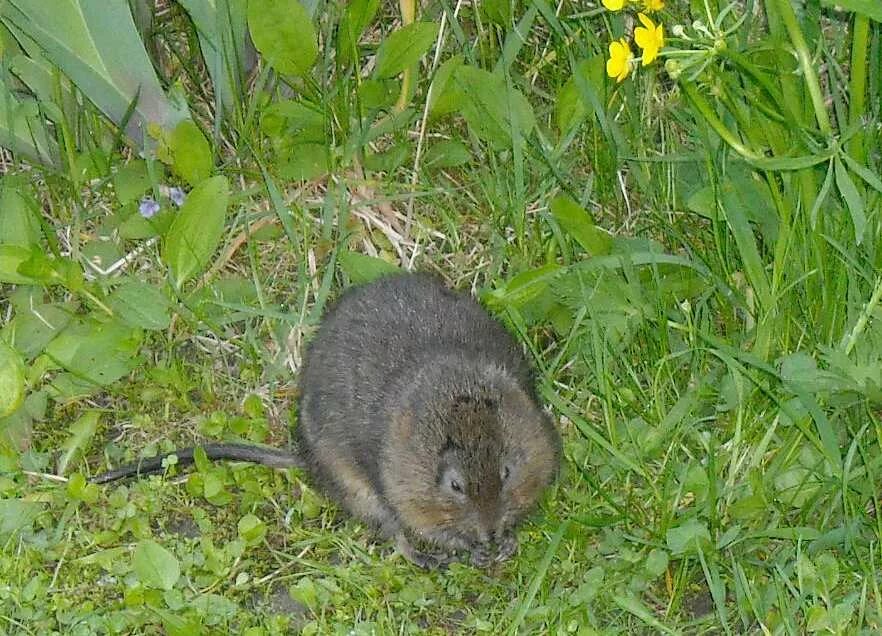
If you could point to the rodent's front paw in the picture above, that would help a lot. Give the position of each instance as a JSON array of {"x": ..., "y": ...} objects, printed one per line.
[
  {"x": 425, "y": 560},
  {"x": 507, "y": 547},
  {"x": 429, "y": 560},
  {"x": 481, "y": 556}
]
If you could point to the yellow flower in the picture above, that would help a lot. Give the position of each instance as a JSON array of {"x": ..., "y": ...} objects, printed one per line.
[
  {"x": 619, "y": 63},
  {"x": 654, "y": 5},
  {"x": 650, "y": 38},
  {"x": 614, "y": 5}
]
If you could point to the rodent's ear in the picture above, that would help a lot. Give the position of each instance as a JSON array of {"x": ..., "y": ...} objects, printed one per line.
[{"x": 515, "y": 407}]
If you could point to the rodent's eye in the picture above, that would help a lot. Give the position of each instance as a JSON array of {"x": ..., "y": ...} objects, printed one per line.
[{"x": 453, "y": 483}]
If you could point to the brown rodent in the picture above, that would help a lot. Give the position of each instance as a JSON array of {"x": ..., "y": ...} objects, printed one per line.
[{"x": 418, "y": 415}]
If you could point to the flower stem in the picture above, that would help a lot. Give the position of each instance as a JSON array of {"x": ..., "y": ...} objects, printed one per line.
[
  {"x": 408, "y": 15},
  {"x": 719, "y": 127},
  {"x": 785, "y": 11},
  {"x": 857, "y": 89}
]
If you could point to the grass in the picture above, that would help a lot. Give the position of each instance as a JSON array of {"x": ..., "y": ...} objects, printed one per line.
[{"x": 701, "y": 311}]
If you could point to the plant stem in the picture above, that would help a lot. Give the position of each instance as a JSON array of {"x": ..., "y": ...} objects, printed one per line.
[
  {"x": 857, "y": 89},
  {"x": 719, "y": 127},
  {"x": 408, "y": 15},
  {"x": 785, "y": 10}
]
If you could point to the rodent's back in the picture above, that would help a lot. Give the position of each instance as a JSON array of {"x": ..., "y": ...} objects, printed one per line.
[{"x": 376, "y": 332}]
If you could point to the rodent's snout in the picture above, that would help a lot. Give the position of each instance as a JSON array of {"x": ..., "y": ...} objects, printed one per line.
[{"x": 490, "y": 533}]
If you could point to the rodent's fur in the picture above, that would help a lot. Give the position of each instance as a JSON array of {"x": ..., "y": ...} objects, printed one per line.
[{"x": 418, "y": 415}]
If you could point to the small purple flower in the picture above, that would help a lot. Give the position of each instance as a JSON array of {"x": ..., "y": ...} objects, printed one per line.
[
  {"x": 148, "y": 208},
  {"x": 177, "y": 196}
]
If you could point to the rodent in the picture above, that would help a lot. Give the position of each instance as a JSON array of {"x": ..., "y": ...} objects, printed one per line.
[{"x": 418, "y": 414}]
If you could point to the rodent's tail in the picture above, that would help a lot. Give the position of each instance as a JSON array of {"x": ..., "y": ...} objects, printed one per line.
[{"x": 264, "y": 455}]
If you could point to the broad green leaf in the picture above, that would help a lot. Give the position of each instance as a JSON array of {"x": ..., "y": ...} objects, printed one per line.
[
  {"x": 569, "y": 107},
  {"x": 523, "y": 288},
  {"x": 577, "y": 222},
  {"x": 304, "y": 162},
  {"x": 40, "y": 268},
  {"x": 18, "y": 220},
  {"x": 492, "y": 113},
  {"x": 310, "y": 504},
  {"x": 96, "y": 44},
  {"x": 445, "y": 95},
  {"x": 592, "y": 583},
  {"x": 656, "y": 562},
  {"x": 305, "y": 591},
  {"x": 404, "y": 47},
  {"x": 208, "y": 302},
  {"x": 446, "y": 154},
  {"x": 852, "y": 199},
  {"x": 361, "y": 268},
  {"x": 81, "y": 433},
  {"x": 175, "y": 625},
  {"x": 214, "y": 489},
  {"x": 251, "y": 529},
  {"x": 500, "y": 12},
  {"x": 356, "y": 17},
  {"x": 131, "y": 181},
  {"x": 388, "y": 125},
  {"x": 389, "y": 159},
  {"x": 78, "y": 489},
  {"x": 155, "y": 566},
  {"x": 188, "y": 153},
  {"x": 745, "y": 191},
  {"x": 870, "y": 8},
  {"x": 34, "y": 327},
  {"x": 801, "y": 481},
  {"x": 11, "y": 258},
  {"x": 16, "y": 515},
  {"x": 799, "y": 369},
  {"x": 291, "y": 122},
  {"x": 687, "y": 537},
  {"x": 140, "y": 305},
  {"x": 378, "y": 94},
  {"x": 828, "y": 571},
  {"x": 615, "y": 304},
  {"x": 282, "y": 31},
  {"x": 131, "y": 225},
  {"x": 95, "y": 352},
  {"x": 197, "y": 229},
  {"x": 12, "y": 380}
]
